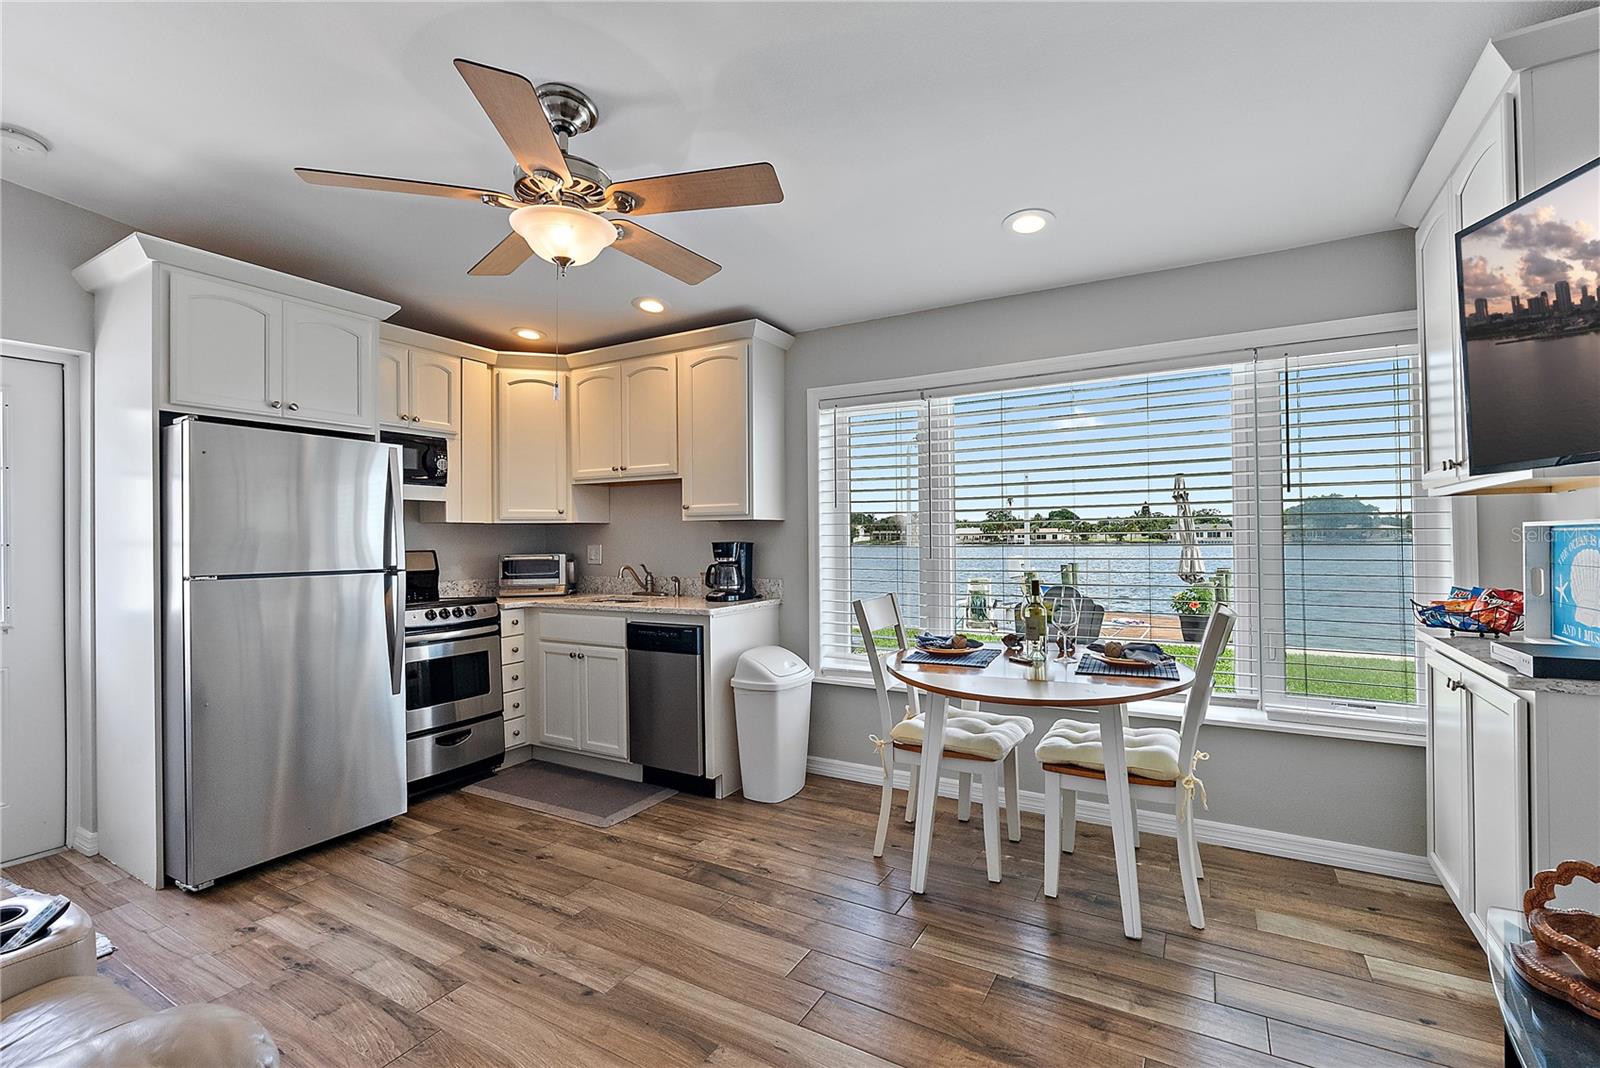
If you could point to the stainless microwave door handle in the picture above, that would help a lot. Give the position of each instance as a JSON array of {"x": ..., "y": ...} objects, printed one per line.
[{"x": 394, "y": 608}]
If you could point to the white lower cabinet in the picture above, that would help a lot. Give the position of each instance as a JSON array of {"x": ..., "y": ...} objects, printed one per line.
[
  {"x": 513, "y": 655},
  {"x": 1499, "y": 798},
  {"x": 583, "y": 698},
  {"x": 1450, "y": 782}
]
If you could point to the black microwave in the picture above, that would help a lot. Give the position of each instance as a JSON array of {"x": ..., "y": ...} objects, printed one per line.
[{"x": 424, "y": 461}]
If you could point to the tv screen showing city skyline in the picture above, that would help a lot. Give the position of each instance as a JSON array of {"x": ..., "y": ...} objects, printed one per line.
[{"x": 1530, "y": 315}]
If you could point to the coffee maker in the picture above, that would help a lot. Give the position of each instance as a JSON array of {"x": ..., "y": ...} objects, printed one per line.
[{"x": 731, "y": 576}]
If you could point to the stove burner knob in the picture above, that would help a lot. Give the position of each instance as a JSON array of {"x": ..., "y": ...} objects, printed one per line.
[
  {"x": 471, "y": 611},
  {"x": 456, "y": 612},
  {"x": 429, "y": 614}
]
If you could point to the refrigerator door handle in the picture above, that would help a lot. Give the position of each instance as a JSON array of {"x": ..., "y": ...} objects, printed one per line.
[
  {"x": 393, "y": 523},
  {"x": 394, "y": 607}
]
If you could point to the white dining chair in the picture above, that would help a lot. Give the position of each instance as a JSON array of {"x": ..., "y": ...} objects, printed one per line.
[
  {"x": 977, "y": 744},
  {"x": 1161, "y": 768}
]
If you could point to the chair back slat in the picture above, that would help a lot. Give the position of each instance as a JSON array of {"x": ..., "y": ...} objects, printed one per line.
[
  {"x": 1218, "y": 630},
  {"x": 872, "y": 615}
]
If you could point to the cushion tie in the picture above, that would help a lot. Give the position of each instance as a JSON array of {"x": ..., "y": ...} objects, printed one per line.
[{"x": 1191, "y": 783}]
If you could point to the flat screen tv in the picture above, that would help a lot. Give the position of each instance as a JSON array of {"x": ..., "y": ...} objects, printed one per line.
[{"x": 1530, "y": 328}]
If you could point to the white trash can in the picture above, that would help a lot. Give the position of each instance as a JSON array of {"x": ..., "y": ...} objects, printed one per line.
[{"x": 772, "y": 703}]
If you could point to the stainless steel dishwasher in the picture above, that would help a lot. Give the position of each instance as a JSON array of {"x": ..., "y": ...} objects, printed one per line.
[{"x": 666, "y": 698}]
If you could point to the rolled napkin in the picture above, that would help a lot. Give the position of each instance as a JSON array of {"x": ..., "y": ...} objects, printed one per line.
[{"x": 1149, "y": 652}]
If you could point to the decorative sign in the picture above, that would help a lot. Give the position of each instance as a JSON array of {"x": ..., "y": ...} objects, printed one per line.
[{"x": 1575, "y": 583}]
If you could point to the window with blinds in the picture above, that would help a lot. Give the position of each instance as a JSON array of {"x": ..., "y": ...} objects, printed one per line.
[{"x": 1296, "y": 473}]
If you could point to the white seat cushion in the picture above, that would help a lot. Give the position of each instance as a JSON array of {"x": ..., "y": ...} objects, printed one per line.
[
  {"x": 1151, "y": 751},
  {"x": 979, "y": 734}
]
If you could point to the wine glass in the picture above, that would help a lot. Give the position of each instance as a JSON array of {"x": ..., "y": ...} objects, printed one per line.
[{"x": 1066, "y": 614}]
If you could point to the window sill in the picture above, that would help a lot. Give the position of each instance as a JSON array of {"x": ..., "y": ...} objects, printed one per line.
[{"x": 1252, "y": 719}]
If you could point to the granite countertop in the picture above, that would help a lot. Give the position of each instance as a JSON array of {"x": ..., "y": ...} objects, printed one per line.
[
  {"x": 1476, "y": 652},
  {"x": 640, "y": 606}
]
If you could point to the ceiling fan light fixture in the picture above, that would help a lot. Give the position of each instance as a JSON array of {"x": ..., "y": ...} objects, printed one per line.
[
  {"x": 650, "y": 305},
  {"x": 565, "y": 236},
  {"x": 527, "y": 333},
  {"x": 1028, "y": 220}
]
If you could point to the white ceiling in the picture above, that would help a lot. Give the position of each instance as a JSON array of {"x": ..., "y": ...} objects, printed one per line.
[{"x": 1159, "y": 135}]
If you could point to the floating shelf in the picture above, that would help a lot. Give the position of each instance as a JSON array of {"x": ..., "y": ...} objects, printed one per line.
[{"x": 1537, "y": 480}]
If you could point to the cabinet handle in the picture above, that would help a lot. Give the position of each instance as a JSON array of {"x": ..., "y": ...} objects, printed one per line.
[
  {"x": 686, "y": 508},
  {"x": 580, "y": 656},
  {"x": 514, "y": 649},
  {"x": 276, "y": 404},
  {"x": 614, "y": 467},
  {"x": 515, "y": 705},
  {"x": 1454, "y": 684},
  {"x": 517, "y": 733},
  {"x": 293, "y": 407},
  {"x": 514, "y": 678},
  {"x": 624, "y": 467},
  {"x": 561, "y": 511},
  {"x": 573, "y": 655},
  {"x": 1450, "y": 465}
]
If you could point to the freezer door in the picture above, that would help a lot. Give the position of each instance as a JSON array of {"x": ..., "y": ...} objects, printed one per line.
[
  {"x": 256, "y": 502},
  {"x": 290, "y": 732}
]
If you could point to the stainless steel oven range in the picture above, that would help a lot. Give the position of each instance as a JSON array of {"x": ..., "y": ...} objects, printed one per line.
[{"x": 454, "y": 724}]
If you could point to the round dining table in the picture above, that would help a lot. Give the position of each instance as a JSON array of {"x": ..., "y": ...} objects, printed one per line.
[{"x": 1004, "y": 682}]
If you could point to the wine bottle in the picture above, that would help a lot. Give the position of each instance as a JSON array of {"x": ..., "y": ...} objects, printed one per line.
[{"x": 1035, "y": 620}]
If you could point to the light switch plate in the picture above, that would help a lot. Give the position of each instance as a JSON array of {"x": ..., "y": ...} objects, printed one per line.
[{"x": 594, "y": 554}]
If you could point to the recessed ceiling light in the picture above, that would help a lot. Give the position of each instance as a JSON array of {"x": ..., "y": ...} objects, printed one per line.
[
  {"x": 527, "y": 333},
  {"x": 1028, "y": 220},
  {"x": 650, "y": 305},
  {"x": 23, "y": 142}
]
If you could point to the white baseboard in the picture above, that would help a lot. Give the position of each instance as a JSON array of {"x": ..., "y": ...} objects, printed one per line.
[
  {"x": 86, "y": 842},
  {"x": 1251, "y": 839}
]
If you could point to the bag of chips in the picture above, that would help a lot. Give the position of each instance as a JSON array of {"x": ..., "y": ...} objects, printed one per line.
[{"x": 1474, "y": 610}]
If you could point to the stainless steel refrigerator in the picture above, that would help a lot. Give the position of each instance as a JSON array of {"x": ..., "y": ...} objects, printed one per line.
[{"x": 285, "y": 602}]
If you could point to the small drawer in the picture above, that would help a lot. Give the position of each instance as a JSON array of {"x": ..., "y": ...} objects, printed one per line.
[
  {"x": 588, "y": 628},
  {"x": 513, "y": 677},
  {"x": 517, "y": 732},
  {"x": 512, "y": 621},
  {"x": 513, "y": 650},
  {"x": 516, "y": 703}
]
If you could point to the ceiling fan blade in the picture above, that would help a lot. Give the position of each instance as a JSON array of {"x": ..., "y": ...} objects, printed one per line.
[
  {"x": 722, "y": 187},
  {"x": 394, "y": 185},
  {"x": 505, "y": 257},
  {"x": 512, "y": 104},
  {"x": 664, "y": 255}
]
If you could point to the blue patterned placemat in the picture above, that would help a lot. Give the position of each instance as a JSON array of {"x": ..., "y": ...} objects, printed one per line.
[
  {"x": 977, "y": 658},
  {"x": 1093, "y": 665}
]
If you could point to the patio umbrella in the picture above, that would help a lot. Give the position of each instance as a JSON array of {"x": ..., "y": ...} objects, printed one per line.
[{"x": 1191, "y": 566}]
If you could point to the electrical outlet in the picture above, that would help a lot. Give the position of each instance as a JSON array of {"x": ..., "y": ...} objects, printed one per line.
[{"x": 594, "y": 554}]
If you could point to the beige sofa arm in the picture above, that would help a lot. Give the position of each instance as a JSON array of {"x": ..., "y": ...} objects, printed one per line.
[
  {"x": 182, "y": 1037},
  {"x": 68, "y": 949}
]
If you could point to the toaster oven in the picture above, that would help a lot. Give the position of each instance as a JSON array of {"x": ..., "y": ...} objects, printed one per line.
[{"x": 538, "y": 574}]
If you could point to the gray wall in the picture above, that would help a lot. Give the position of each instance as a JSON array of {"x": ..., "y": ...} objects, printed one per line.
[
  {"x": 1368, "y": 794},
  {"x": 41, "y": 240}
]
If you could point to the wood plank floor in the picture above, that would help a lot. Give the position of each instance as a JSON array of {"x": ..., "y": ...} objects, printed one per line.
[{"x": 473, "y": 933}]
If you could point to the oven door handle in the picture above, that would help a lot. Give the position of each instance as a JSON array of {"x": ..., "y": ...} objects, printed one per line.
[{"x": 429, "y": 637}]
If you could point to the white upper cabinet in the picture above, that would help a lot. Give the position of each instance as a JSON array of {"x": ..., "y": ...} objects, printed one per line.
[
  {"x": 625, "y": 420},
  {"x": 224, "y": 346},
  {"x": 1444, "y": 444},
  {"x": 418, "y": 389},
  {"x": 532, "y": 484},
  {"x": 730, "y": 421},
  {"x": 327, "y": 365},
  {"x": 238, "y": 349},
  {"x": 435, "y": 391},
  {"x": 596, "y": 423},
  {"x": 650, "y": 417},
  {"x": 472, "y": 458}
]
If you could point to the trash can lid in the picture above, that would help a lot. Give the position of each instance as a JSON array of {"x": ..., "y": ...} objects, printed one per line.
[{"x": 770, "y": 667}]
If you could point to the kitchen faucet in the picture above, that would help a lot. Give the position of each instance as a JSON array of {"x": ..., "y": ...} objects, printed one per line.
[{"x": 646, "y": 584}]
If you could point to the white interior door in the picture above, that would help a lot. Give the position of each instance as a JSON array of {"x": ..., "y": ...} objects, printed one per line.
[{"x": 33, "y": 626}]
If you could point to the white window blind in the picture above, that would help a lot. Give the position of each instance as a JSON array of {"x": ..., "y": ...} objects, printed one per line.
[{"x": 1299, "y": 468}]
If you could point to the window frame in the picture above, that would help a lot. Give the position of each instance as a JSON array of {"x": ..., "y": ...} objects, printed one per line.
[{"x": 1338, "y": 340}]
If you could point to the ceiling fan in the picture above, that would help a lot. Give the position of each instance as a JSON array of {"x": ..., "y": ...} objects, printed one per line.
[{"x": 559, "y": 201}]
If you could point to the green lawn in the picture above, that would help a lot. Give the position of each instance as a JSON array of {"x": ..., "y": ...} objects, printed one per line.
[{"x": 1319, "y": 674}]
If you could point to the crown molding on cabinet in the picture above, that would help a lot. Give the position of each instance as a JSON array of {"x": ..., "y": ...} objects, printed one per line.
[
  {"x": 137, "y": 250},
  {"x": 744, "y": 330},
  {"x": 404, "y": 335},
  {"x": 1503, "y": 58}
]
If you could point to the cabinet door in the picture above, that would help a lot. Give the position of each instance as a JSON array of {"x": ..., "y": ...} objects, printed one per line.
[
  {"x": 1450, "y": 782},
  {"x": 713, "y": 419},
  {"x": 435, "y": 391},
  {"x": 605, "y": 701},
  {"x": 1444, "y": 451},
  {"x": 224, "y": 346},
  {"x": 596, "y": 423},
  {"x": 327, "y": 366},
  {"x": 1499, "y": 798},
  {"x": 531, "y": 482},
  {"x": 650, "y": 417},
  {"x": 472, "y": 457},
  {"x": 560, "y": 696},
  {"x": 1483, "y": 182},
  {"x": 394, "y": 380}
]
